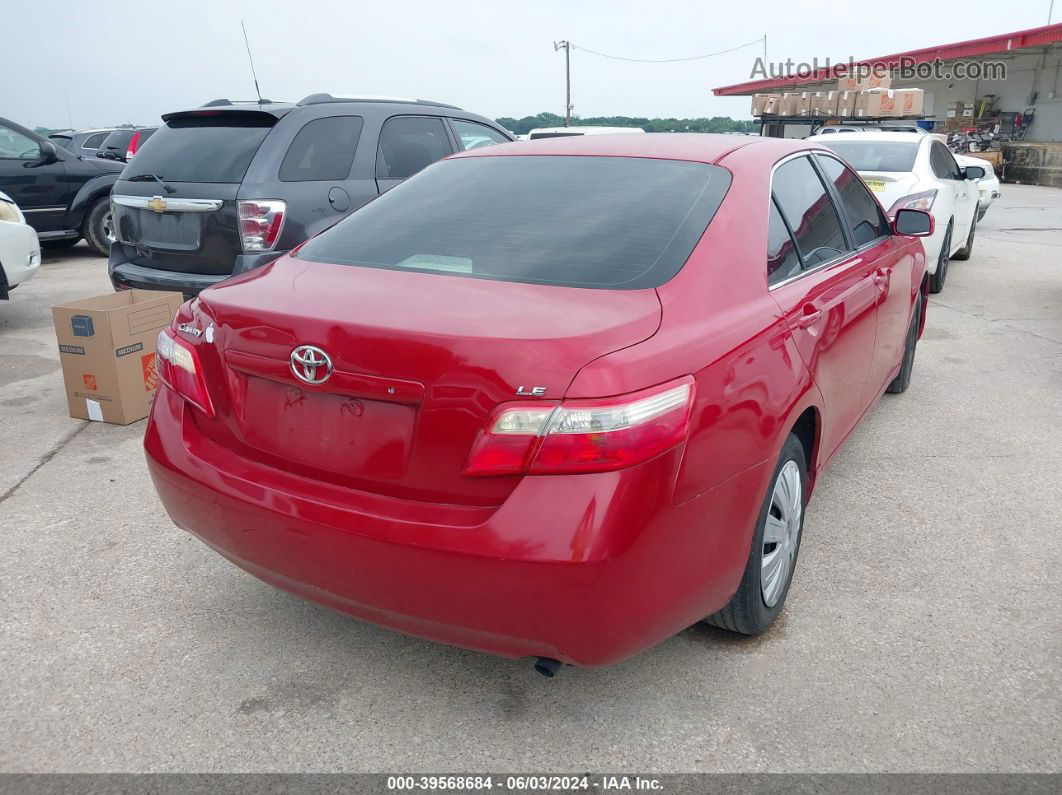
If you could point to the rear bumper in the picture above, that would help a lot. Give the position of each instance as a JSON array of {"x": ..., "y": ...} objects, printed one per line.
[
  {"x": 588, "y": 569},
  {"x": 125, "y": 275}
]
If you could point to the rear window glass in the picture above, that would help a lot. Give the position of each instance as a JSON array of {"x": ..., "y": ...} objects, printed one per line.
[
  {"x": 608, "y": 222},
  {"x": 876, "y": 155},
  {"x": 119, "y": 139},
  {"x": 207, "y": 149}
]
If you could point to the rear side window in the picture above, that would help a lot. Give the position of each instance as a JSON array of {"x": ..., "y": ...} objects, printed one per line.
[
  {"x": 783, "y": 262},
  {"x": 202, "y": 149},
  {"x": 323, "y": 150},
  {"x": 408, "y": 144},
  {"x": 473, "y": 135},
  {"x": 865, "y": 219},
  {"x": 942, "y": 163},
  {"x": 607, "y": 222},
  {"x": 808, "y": 210},
  {"x": 94, "y": 141}
]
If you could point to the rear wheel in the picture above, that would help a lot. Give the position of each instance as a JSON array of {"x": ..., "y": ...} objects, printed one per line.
[
  {"x": 936, "y": 280},
  {"x": 903, "y": 378},
  {"x": 775, "y": 544},
  {"x": 97, "y": 228},
  {"x": 965, "y": 252}
]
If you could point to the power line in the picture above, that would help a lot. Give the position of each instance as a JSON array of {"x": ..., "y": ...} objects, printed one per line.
[{"x": 761, "y": 40}]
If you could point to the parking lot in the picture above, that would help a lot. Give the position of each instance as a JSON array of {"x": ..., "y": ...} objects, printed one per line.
[{"x": 923, "y": 631}]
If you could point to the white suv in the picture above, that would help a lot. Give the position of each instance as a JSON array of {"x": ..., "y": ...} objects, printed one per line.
[
  {"x": 918, "y": 171},
  {"x": 20, "y": 253}
]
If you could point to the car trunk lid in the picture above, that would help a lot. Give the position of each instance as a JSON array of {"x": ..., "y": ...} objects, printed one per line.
[{"x": 419, "y": 362}]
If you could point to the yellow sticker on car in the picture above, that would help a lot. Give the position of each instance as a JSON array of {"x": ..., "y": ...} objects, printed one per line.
[{"x": 876, "y": 185}]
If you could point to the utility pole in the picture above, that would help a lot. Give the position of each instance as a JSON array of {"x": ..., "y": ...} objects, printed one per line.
[{"x": 567, "y": 47}]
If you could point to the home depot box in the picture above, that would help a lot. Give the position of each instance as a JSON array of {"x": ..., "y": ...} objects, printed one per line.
[
  {"x": 846, "y": 103},
  {"x": 960, "y": 108},
  {"x": 890, "y": 102},
  {"x": 823, "y": 103},
  {"x": 789, "y": 104},
  {"x": 765, "y": 104},
  {"x": 857, "y": 83},
  {"x": 107, "y": 352}
]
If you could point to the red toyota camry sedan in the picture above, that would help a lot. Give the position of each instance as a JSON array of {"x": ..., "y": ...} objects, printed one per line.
[{"x": 558, "y": 399}]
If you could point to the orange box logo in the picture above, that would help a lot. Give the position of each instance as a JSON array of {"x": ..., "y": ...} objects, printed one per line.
[
  {"x": 90, "y": 381},
  {"x": 151, "y": 376}
]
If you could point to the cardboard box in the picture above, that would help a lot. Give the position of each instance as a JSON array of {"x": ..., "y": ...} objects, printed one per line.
[
  {"x": 824, "y": 103},
  {"x": 765, "y": 104},
  {"x": 803, "y": 103},
  {"x": 107, "y": 352},
  {"x": 890, "y": 102},
  {"x": 960, "y": 108},
  {"x": 789, "y": 105},
  {"x": 855, "y": 83},
  {"x": 846, "y": 103}
]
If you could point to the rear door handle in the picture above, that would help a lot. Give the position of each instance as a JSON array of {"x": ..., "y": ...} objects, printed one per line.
[
  {"x": 880, "y": 279},
  {"x": 809, "y": 318}
]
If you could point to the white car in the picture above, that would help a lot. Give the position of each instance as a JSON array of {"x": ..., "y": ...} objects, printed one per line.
[
  {"x": 564, "y": 132},
  {"x": 20, "y": 253},
  {"x": 918, "y": 171},
  {"x": 988, "y": 185}
]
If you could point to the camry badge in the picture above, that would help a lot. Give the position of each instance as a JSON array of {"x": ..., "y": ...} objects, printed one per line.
[{"x": 310, "y": 364}]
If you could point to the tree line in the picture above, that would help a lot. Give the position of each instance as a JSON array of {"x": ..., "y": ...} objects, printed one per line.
[{"x": 716, "y": 124}]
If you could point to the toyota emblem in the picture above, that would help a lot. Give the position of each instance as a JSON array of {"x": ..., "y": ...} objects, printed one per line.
[{"x": 310, "y": 364}]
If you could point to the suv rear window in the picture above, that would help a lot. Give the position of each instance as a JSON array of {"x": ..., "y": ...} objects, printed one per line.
[
  {"x": 204, "y": 149},
  {"x": 606, "y": 222}
]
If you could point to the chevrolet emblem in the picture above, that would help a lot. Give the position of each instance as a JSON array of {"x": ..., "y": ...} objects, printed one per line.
[{"x": 157, "y": 203}]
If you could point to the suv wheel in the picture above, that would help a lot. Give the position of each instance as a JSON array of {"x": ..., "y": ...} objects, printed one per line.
[
  {"x": 775, "y": 544},
  {"x": 97, "y": 229}
]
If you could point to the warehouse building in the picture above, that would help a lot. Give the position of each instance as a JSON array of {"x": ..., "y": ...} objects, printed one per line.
[{"x": 1025, "y": 106}]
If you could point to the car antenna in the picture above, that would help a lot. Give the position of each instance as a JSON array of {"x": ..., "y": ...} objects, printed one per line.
[{"x": 249, "y": 58}]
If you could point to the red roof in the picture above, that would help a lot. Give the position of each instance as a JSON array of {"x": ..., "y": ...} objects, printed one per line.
[{"x": 990, "y": 45}]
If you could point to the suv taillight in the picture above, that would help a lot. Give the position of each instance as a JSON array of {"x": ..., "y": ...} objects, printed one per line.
[
  {"x": 583, "y": 435},
  {"x": 178, "y": 367},
  {"x": 134, "y": 144},
  {"x": 260, "y": 223}
]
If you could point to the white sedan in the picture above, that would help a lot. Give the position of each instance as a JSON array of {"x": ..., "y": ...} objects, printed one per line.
[
  {"x": 919, "y": 172},
  {"x": 988, "y": 185},
  {"x": 20, "y": 253}
]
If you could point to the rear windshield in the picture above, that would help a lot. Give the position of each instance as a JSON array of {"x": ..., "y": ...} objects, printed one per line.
[
  {"x": 876, "y": 155},
  {"x": 119, "y": 139},
  {"x": 608, "y": 222},
  {"x": 204, "y": 149}
]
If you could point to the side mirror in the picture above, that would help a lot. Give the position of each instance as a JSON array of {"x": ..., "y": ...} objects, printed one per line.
[
  {"x": 49, "y": 152},
  {"x": 913, "y": 223},
  {"x": 973, "y": 172}
]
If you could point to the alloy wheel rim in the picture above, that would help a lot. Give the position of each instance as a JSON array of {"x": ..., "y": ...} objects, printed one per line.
[
  {"x": 108, "y": 229},
  {"x": 781, "y": 535}
]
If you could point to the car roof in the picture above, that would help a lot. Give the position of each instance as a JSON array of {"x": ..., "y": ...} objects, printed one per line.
[
  {"x": 278, "y": 109},
  {"x": 694, "y": 147}
]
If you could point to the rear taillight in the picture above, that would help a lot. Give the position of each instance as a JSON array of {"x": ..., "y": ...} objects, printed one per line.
[
  {"x": 915, "y": 201},
  {"x": 134, "y": 144},
  {"x": 260, "y": 223},
  {"x": 178, "y": 366},
  {"x": 583, "y": 435}
]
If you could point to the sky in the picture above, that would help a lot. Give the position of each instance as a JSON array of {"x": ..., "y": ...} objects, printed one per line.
[{"x": 110, "y": 61}]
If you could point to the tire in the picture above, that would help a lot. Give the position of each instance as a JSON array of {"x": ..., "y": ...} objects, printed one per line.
[
  {"x": 936, "y": 280},
  {"x": 903, "y": 379},
  {"x": 96, "y": 228},
  {"x": 965, "y": 252},
  {"x": 65, "y": 243},
  {"x": 757, "y": 602}
]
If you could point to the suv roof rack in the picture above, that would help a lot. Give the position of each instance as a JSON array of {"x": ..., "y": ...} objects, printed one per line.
[
  {"x": 216, "y": 103},
  {"x": 321, "y": 99}
]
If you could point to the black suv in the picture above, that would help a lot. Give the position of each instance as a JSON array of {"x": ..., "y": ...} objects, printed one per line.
[
  {"x": 230, "y": 186},
  {"x": 62, "y": 195}
]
